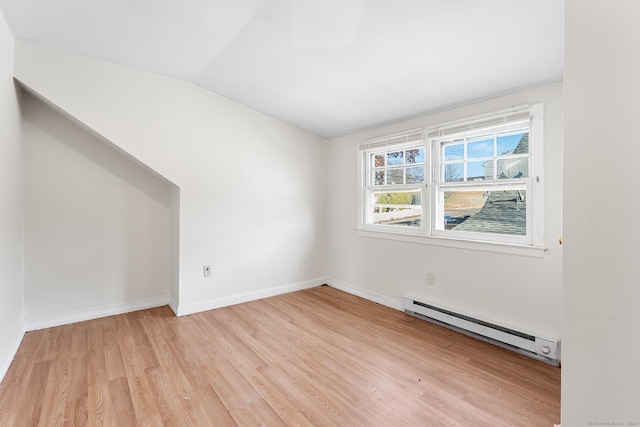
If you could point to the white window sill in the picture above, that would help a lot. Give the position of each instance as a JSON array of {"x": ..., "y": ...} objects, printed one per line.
[{"x": 502, "y": 248}]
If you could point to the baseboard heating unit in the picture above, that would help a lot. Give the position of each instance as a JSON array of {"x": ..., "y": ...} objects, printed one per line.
[{"x": 545, "y": 349}]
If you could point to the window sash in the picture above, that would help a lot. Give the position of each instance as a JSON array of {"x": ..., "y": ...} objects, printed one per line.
[
  {"x": 503, "y": 130},
  {"x": 439, "y": 225},
  {"x": 404, "y": 141},
  {"x": 384, "y": 170},
  {"x": 398, "y": 214}
]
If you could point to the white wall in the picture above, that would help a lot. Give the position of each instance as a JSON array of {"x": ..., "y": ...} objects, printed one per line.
[
  {"x": 601, "y": 290},
  {"x": 517, "y": 291},
  {"x": 97, "y": 224},
  {"x": 251, "y": 187},
  {"x": 11, "y": 207}
]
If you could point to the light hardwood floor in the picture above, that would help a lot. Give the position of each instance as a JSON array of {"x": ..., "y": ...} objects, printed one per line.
[{"x": 315, "y": 357}]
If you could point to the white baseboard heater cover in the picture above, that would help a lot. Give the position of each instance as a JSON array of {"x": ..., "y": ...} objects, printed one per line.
[{"x": 545, "y": 349}]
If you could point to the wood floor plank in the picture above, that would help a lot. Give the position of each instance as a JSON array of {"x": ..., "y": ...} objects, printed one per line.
[
  {"x": 139, "y": 340},
  {"x": 75, "y": 413},
  {"x": 99, "y": 412},
  {"x": 203, "y": 407},
  {"x": 144, "y": 405},
  {"x": 97, "y": 353},
  {"x": 79, "y": 337},
  {"x": 256, "y": 413},
  {"x": 37, "y": 383},
  {"x": 170, "y": 408},
  {"x": 286, "y": 408},
  {"x": 108, "y": 363},
  {"x": 311, "y": 404},
  {"x": 313, "y": 357},
  {"x": 9, "y": 400},
  {"x": 78, "y": 377},
  {"x": 233, "y": 347},
  {"x": 121, "y": 403},
  {"x": 392, "y": 407},
  {"x": 230, "y": 384},
  {"x": 55, "y": 396},
  {"x": 26, "y": 416}
]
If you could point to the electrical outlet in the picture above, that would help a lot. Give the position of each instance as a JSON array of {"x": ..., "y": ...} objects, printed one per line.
[
  {"x": 207, "y": 270},
  {"x": 431, "y": 278},
  {"x": 306, "y": 257}
]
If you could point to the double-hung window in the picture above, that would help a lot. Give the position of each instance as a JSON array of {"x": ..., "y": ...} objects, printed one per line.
[
  {"x": 394, "y": 182},
  {"x": 476, "y": 180}
]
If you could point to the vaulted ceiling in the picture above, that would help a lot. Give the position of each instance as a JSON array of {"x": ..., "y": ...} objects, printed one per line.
[{"x": 331, "y": 67}]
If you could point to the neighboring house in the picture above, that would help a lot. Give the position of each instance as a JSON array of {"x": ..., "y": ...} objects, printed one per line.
[{"x": 515, "y": 166}]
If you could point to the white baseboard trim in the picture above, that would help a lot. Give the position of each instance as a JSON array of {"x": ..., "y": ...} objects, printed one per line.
[
  {"x": 173, "y": 305},
  {"x": 94, "y": 313},
  {"x": 363, "y": 293},
  {"x": 186, "y": 309},
  {"x": 7, "y": 359}
]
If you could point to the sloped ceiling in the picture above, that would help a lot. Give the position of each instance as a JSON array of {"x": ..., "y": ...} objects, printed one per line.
[{"x": 331, "y": 67}]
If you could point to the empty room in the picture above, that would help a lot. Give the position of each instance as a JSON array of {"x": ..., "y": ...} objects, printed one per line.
[{"x": 305, "y": 212}]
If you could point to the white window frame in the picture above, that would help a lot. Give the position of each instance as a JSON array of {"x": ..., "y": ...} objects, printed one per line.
[
  {"x": 431, "y": 230},
  {"x": 396, "y": 142}
]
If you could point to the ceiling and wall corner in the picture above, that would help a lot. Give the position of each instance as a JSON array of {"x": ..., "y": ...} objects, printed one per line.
[{"x": 331, "y": 67}]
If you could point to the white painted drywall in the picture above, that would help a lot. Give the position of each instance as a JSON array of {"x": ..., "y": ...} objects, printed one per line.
[
  {"x": 97, "y": 225},
  {"x": 251, "y": 187},
  {"x": 517, "y": 291},
  {"x": 601, "y": 269},
  {"x": 11, "y": 207}
]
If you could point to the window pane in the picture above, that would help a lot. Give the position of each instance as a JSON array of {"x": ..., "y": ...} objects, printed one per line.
[
  {"x": 480, "y": 148},
  {"x": 513, "y": 168},
  {"x": 378, "y": 160},
  {"x": 402, "y": 208},
  {"x": 378, "y": 178},
  {"x": 476, "y": 170},
  {"x": 415, "y": 155},
  {"x": 453, "y": 172},
  {"x": 415, "y": 175},
  {"x": 395, "y": 176},
  {"x": 513, "y": 143},
  {"x": 498, "y": 212},
  {"x": 396, "y": 158},
  {"x": 453, "y": 151}
]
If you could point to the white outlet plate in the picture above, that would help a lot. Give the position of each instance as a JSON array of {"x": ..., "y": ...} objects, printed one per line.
[
  {"x": 306, "y": 257},
  {"x": 207, "y": 270}
]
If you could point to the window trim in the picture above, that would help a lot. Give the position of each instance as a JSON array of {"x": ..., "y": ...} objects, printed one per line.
[
  {"x": 524, "y": 119},
  {"x": 531, "y": 245},
  {"x": 415, "y": 140}
]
